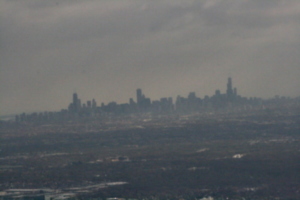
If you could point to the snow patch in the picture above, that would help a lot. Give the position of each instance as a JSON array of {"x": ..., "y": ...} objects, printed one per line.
[
  {"x": 238, "y": 155},
  {"x": 202, "y": 150}
]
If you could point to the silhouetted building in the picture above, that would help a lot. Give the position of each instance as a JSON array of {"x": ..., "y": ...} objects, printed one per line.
[
  {"x": 89, "y": 104},
  {"x": 235, "y": 92},
  {"x": 76, "y": 104},
  {"x": 94, "y": 104},
  {"x": 75, "y": 100},
  {"x": 139, "y": 96},
  {"x": 229, "y": 91},
  {"x": 143, "y": 103}
]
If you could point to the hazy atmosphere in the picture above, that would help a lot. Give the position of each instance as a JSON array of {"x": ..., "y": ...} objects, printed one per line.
[{"x": 107, "y": 49}]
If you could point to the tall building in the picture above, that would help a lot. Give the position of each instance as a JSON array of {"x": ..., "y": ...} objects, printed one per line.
[
  {"x": 143, "y": 103},
  {"x": 139, "y": 96},
  {"x": 89, "y": 104},
  {"x": 229, "y": 91},
  {"x": 76, "y": 104},
  {"x": 94, "y": 104},
  {"x": 75, "y": 99},
  {"x": 235, "y": 92}
]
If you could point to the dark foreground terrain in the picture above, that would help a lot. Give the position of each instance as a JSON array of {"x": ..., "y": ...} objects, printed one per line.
[{"x": 255, "y": 156}]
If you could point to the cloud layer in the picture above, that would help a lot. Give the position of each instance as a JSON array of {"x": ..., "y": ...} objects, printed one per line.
[{"x": 106, "y": 49}]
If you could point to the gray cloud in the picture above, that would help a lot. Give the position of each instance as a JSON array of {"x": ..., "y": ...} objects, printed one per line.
[{"x": 107, "y": 49}]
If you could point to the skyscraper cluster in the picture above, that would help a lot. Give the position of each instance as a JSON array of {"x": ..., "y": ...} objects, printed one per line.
[
  {"x": 76, "y": 105},
  {"x": 143, "y": 104}
]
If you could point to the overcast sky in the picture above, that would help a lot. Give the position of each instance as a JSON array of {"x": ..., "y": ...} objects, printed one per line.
[{"x": 107, "y": 49}]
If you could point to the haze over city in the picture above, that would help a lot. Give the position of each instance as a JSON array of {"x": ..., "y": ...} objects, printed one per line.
[{"x": 107, "y": 49}]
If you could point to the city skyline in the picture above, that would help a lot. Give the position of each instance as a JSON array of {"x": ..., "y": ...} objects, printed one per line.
[
  {"x": 139, "y": 98},
  {"x": 229, "y": 101},
  {"x": 107, "y": 49},
  {"x": 142, "y": 104}
]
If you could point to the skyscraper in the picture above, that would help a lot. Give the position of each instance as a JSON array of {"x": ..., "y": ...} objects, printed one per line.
[
  {"x": 229, "y": 91},
  {"x": 139, "y": 96},
  {"x": 235, "y": 92},
  {"x": 75, "y": 102},
  {"x": 94, "y": 104}
]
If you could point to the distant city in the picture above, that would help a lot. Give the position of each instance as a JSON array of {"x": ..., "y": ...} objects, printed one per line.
[
  {"x": 229, "y": 101},
  {"x": 223, "y": 146}
]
